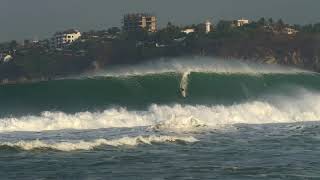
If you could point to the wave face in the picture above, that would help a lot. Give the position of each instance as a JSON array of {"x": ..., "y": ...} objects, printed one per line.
[{"x": 74, "y": 95}]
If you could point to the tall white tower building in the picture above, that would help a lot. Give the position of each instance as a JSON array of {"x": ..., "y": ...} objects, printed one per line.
[{"x": 208, "y": 26}]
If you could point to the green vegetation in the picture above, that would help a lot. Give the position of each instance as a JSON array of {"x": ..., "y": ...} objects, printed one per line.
[{"x": 265, "y": 40}]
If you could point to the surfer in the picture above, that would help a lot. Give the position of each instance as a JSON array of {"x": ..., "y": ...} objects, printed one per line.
[
  {"x": 183, "y": 92},
  {"x": 184, "y": 84}
]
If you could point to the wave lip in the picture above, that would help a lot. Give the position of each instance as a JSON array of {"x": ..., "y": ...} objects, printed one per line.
[
  {"x": 89, "y": 145},
  {"x": 196, "y": 64}
]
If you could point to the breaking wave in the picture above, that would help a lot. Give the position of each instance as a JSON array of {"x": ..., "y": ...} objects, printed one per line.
[
  {"x": 89, "y": 145},
  {"x": 275, "y": 109},
  {"x": 198, "y": 80},
  {"x": 196, "y": 64}
]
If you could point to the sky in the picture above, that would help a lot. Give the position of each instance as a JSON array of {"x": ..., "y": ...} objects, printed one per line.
[{"x": 38, "y": 19}]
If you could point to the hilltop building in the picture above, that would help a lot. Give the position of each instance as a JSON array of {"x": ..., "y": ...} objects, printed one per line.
[
  {"x": 138, "y": 21},
  {"x": 241, "y": 22},
  {"x": 5, "y": 58},
  {"x": 205, "y": 27},
  {"x": 286, "y": 30},
  {"x": 61, "y": 39},
  {"x": 290, "y": 31},
  {"x": 188, "y": 30},
  {"x": 208, "y": 26}
]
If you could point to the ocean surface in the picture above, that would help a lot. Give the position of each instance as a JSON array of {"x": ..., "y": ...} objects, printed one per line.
[{"x": 188, "y": 118}]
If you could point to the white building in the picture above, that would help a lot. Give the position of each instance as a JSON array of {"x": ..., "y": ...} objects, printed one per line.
[
  {"x": 7, "y": 58},
  {"x": 62, "y": 39},
  {"x": 242, "y": 22},
  {"x": 188, "y": 31},
  {"x": 208, "y": 26},
  {"x": 290, "y": 31}
]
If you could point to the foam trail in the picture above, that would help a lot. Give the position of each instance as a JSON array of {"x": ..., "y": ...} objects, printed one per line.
[
  {"x": 196, "y": 64},
  {"x": 89, "y": 145},
  {"x": 305, "y": 107},
  {"x": 184, "y": 84}
]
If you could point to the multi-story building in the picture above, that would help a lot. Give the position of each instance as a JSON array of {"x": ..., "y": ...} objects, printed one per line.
[
  {"x": 61, "y": 39},
  {"x": 207, "y": 26},
  {"x": 138, "y": 21}
]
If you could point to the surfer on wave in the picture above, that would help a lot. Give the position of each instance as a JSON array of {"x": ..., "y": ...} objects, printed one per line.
[{"x": 183, "y": 92}]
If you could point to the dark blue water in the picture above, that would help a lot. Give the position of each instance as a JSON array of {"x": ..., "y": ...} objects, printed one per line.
[{"x": 286, "y": 151}]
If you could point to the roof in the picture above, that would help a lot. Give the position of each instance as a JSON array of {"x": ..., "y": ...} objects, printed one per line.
[
  {"x": 139, "y": 15},
  {"x": 70, "y": 31},
  {"x": 243, "y": 20}
]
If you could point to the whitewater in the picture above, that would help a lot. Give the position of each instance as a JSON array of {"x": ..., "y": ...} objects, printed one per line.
[
  {"x": 176, "y": 117},
  {"x": 186, "y": 118}
]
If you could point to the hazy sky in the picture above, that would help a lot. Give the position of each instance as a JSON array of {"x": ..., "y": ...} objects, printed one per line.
[{"x": 20, "y": 19}]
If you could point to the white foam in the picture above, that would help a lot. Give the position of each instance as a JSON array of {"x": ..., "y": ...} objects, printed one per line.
[
  {"x": 180, "y": 124},
  {"x": 304, "y": 107},
  {"x": 89, "y": 145},
  {"x": 83, "y": 120},
  {"x": 196, "y": 64}
]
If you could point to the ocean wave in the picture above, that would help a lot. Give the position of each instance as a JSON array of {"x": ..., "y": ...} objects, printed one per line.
[
  {"x": 196, "y": 64},
  {"x": 111, "y": 118},
  {"x": 305, "y": 107},
  {"x": 89, "y": 145}
]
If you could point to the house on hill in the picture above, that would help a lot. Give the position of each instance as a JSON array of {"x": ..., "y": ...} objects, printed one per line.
[
  {"x": 241, "y": 22},
  {"x": 289, "y": 31},
  {"x": 5, "y": 57},
  {"x": 62, "y": 39}
]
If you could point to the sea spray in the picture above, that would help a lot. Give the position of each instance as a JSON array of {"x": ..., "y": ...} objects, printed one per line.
[{"x": 195, "y": 64}]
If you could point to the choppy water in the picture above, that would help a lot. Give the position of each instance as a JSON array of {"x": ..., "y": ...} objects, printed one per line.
[{"x": 237, "y": 121}]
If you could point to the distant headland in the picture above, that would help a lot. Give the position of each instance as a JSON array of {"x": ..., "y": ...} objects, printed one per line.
[{"x": 73, "y": 52}]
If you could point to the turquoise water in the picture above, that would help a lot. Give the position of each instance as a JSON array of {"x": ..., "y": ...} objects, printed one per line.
[
  {"x": 98, "y": 93},
  {"x": 230, "y": 125}
]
